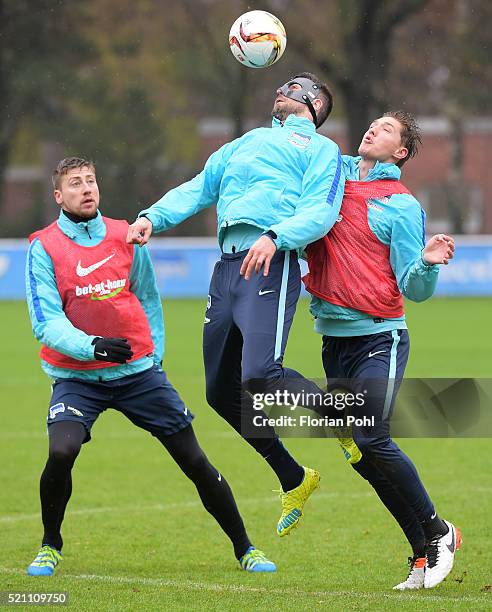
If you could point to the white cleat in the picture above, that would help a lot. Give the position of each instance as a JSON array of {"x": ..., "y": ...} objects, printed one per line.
[
  {"x": 415, "y": 578},
  {"x": 440, "y": 556}
]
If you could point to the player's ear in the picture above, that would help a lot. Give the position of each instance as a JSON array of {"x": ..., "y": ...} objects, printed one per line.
[
  {"x": 57, "y": 194},
  {"x": 400, "y": 153},
  {"x": 317, "y": 104}
]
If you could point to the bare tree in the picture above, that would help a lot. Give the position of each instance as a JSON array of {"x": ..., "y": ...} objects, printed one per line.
[
  {"x": 349, "y": 42},
  {"x": 229, "y": 79},
  {"x": 456, "y": 190}
]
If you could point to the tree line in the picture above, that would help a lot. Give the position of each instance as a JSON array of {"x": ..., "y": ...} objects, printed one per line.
[{"x": 127, "y": 82}]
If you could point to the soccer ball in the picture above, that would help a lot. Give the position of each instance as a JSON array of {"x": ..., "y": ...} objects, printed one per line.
[{"x": 257, "y": 39}]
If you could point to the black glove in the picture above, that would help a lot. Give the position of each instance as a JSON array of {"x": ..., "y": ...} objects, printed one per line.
[{"x": 116, "y": 350}]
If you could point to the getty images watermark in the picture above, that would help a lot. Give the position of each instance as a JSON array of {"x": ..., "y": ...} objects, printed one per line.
[
  {"x": 412, "y": 407},
  {"x": 320, "y": 401}
]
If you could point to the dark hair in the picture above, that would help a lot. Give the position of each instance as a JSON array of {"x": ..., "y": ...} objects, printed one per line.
[
  {"x": 70, "y": 163},
  {"x": 325, "y": 95},
  {"x": 410, "y": 133}
]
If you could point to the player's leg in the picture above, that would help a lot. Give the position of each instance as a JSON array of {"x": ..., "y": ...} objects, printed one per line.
[
  {"x": 216, "y": 496},
  {"x": 73, "y": 410},
  {"x": 151, "y": 402},
  {"x": 264, "y": 314},
  {"x": 404, "y": 516},
  {"x": 65, "y": 441},
  {"x": 339, "y": 356},
  {"x": 385, "y": 357},
  {"x": 264, "y": 309},
  {"x": 222, "y": 356},
  {"x": 222, "y": 346},
  {"x": 395, "y": 504}
]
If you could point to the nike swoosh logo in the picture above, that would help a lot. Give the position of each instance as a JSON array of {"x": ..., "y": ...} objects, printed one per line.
[
  {"x": 207, "y": 320},
  {"x": 219, "y": 477},
  {"x": 75, "y": 411},
  {"x": 102, "y": 353},
  {"x": 376, "y": 353},
  {"x": 260, "y": 292},
  {"x": 81, "y": 271},
  {"x": 451, "y": 546}
]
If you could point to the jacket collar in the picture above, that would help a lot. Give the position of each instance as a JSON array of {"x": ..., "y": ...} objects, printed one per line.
[
  {"x": 292, "y": 121},
  {"x": 94, "y": 228},
  {"x": 378, "y": 172},
  {"x": 382, "y": 171}
]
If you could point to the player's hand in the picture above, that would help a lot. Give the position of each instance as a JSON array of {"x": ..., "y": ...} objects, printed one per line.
[
  {"x": 260, "y": 254},
  {"x": 116, "y": 350},
  {"x": 439, "y": 250},
  {"x": 140, "y": 231}
]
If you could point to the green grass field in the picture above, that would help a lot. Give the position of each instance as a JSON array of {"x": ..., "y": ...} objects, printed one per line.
[{"x": 143, "y": 540}]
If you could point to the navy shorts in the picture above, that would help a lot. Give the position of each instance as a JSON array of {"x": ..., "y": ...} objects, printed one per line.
[
  {"x": 247, "y": 323},
  {"x": 147, "y": 398},
  {"x": 376, "y": 362}
]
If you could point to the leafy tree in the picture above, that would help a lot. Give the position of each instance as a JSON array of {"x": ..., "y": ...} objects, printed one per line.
[
  {"x": 39, "y": 52},
  {"x": 127, "y": 82}
]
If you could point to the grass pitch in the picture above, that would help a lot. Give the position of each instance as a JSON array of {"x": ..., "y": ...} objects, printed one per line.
[{"x": 136, "y": 536}]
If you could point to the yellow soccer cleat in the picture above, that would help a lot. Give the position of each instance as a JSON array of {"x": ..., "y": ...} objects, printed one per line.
[
  {"x": 254, "y": 560},
  {"x": 350, "y": 450},
  {"x": 45, "y": 562},
  {"x": 293, "y": 502}
]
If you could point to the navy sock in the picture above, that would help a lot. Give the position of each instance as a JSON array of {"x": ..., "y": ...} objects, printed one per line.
[
  {"x": 288, "y": 471},
  {"x": 434, "y": 527},
  {"x": 418, "y": 552}
]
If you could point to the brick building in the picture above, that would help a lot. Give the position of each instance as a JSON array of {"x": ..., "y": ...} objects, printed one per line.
[{"x": 428, "y": 176}]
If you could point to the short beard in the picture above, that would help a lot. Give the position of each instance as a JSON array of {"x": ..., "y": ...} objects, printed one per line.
[
  {"x": 280, "y": 115},
  {"x": 285, "y": 109}
]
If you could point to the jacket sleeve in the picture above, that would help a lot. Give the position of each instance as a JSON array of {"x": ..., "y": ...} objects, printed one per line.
[
  {"x": 144, "y": 285},
  {"x": 416, "y": 280},
  {"x": 193, "y": 196},
  {"x": 49, "y": 322},
  {"x": 320, "y": 200}
]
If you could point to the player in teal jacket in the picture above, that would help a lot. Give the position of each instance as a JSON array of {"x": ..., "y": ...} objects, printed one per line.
[
  {"x": 286, "y": 179},
  {"x": 376, "y": 253},
  {"x": 277, "y": 189},
  {"x": 85, "y": 330}
]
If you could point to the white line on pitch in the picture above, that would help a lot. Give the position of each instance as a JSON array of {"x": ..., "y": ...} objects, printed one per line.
[{"x": 240, "y": 588}]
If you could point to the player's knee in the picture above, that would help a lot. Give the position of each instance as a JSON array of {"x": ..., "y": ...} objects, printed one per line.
[
  {"x": 255, "y": 373},
  {"x": 64, "y": 454},
  {"x": 195, "y": 465},
  {"x": 372, "y": 447}
]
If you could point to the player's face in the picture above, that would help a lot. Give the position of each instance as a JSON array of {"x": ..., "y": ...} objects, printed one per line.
[
  {"x": 78, "y": 192},
  {"x": 283, "y": 106},
  {"x": 382, "y": 141}
]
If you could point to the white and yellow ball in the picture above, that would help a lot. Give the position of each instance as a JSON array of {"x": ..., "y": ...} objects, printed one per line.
[{"x": 257, "y": 39}]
